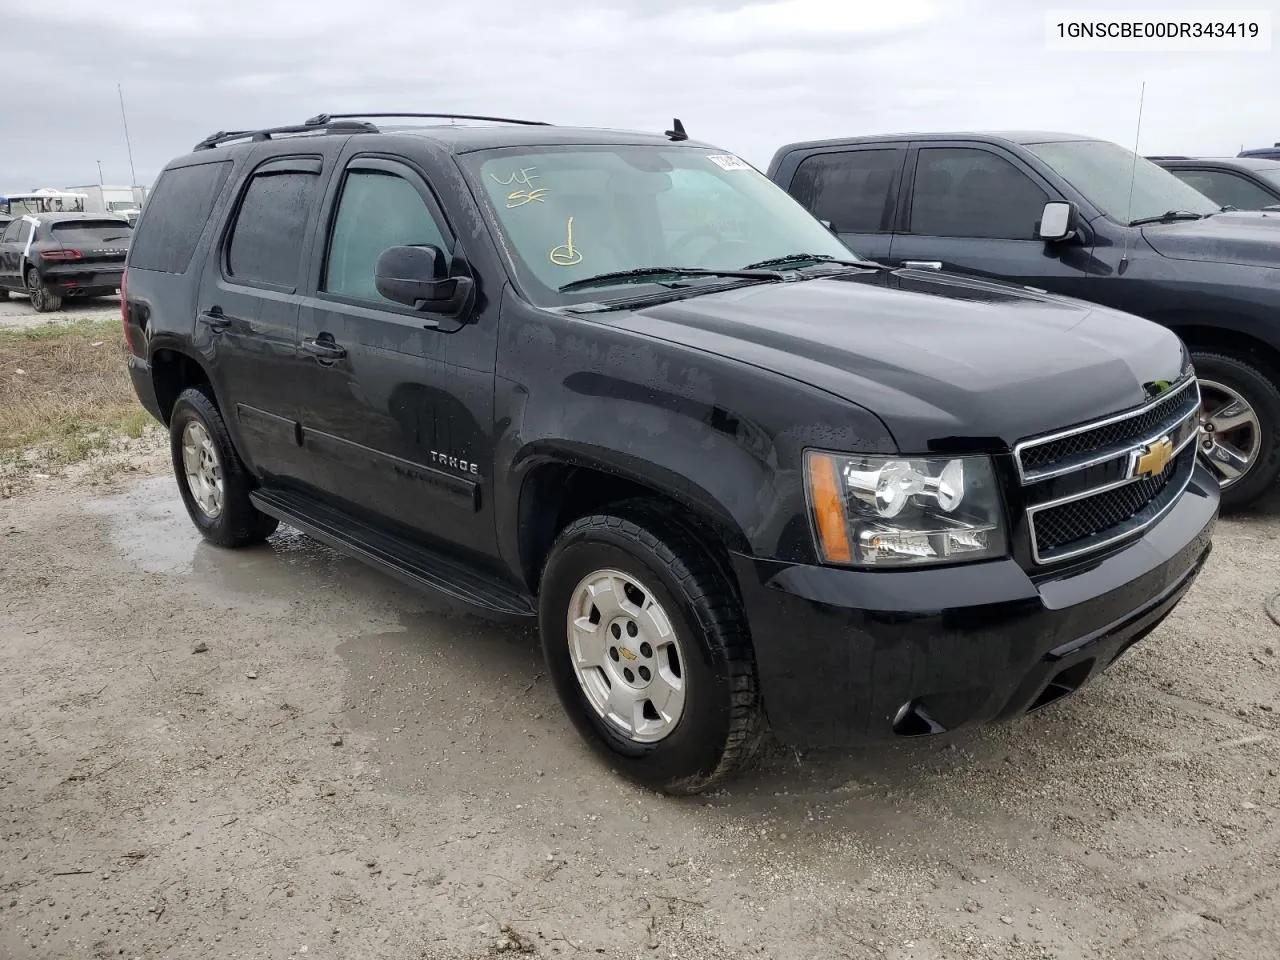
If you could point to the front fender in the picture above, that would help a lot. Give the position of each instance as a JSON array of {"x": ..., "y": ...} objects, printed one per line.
[{"x": 722, "y": 437}]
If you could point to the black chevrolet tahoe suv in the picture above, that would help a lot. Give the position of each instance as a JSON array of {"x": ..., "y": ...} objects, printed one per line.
[
  {"x": 623, "y": 384},
  {"x": 1085, "y": 218}
]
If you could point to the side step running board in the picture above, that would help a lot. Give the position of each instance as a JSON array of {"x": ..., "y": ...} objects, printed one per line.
[{"x": 412, "y": 563}]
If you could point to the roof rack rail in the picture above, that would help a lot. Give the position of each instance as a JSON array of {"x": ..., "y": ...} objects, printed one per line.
[
  {"x": 322, "y": 119},
  {"x": 226, "y": 136},
  {"x": 1167, "y": 156}
]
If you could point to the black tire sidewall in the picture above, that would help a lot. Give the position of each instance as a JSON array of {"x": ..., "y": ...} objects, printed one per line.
[
  {"x": 1263, "y": 395},
  {"x": 186, "y": 409},
  {"x": 42, "y": 300},
  {"x": 694, "y": 748},
  {"x": 240, "y": 523}
]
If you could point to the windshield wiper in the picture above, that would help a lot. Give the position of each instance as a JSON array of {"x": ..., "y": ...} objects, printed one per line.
[
  {"x": 646, "y": 273},
  {"x": 1167, "y": 216},
  {"x": 814, "y": 258}
]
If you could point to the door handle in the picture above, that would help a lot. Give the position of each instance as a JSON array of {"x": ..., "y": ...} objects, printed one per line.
[
  {"x": 923, "y": 264},
  {"x": 324, "y": 349},
  {"x": 215, "y": 320}
]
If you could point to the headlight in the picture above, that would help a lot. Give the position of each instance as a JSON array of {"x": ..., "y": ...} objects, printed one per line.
[{"x": 894, "y": 511}]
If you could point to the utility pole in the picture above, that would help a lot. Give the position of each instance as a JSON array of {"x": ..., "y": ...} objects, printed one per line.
[
  {"x": 100, "y": 180},
  {"x": 129, "y": 146}
]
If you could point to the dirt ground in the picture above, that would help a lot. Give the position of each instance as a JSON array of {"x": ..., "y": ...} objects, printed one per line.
[
  {"x": 16, "y": 312},
  {"x": 352, "y": 770}
]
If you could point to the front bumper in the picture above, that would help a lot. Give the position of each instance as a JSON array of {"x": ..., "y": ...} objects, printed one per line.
[{"x": 848, "y": 655}]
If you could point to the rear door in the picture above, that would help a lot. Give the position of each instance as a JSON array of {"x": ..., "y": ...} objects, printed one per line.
[
  {"x": 855, "y": 190},
  {"x": 247, "y": 313},
  {"x": 975, "y": 208},
  {"x": 396, "y": 404}
]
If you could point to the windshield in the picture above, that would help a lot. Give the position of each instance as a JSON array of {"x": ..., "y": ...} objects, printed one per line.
[
  {"x": 1272, "y": 176},
  {"x": 568, "y": 213},
  {"x": 1102, "y": 171},
  {"x": 87, "y": 233}
]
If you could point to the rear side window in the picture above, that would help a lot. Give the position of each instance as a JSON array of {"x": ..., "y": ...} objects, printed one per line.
[
  {"x": 177, "y": 211},
  {"x": 266, "y": 241},
  {"x": 88, "y": 233},
  {"x": 851, "y": 189},
  {"x": 964, "y": 192}
]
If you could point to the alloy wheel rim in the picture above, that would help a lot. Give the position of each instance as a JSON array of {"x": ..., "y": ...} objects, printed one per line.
[
  {"x": 626, "y": 656},
  {"x": 1230, "y": 434},
  {"x": 202, "y": 468}
]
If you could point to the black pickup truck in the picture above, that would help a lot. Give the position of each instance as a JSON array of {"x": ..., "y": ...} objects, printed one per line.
[
  {"x": 1085, "y": 218},
  {"x": 622, "y": 384}
]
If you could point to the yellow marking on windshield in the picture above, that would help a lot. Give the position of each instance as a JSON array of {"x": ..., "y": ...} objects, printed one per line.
[
  {"x": 566, "y": 255},
  {"x": 518, "y": 198}
]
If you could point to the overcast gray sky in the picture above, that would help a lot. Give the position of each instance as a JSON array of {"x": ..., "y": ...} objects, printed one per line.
[{"x": 748, "y": 76}]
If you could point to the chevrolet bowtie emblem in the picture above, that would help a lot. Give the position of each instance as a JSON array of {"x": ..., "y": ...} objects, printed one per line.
[{"x": 1151, "y": 460}]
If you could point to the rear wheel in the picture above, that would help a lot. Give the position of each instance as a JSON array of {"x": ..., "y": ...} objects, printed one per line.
[
  {"x": 43, "y": 300},
  {"x": 213, "y": 481},
  {"x": 1240, "y": 417},
  {"x": 648, "y": 649}
]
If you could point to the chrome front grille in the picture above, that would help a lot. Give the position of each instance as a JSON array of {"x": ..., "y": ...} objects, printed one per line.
[{"x": 1096, "y": 484}]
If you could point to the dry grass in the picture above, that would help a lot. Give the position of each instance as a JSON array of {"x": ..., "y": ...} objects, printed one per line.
[{"x": 64, "y": 393}]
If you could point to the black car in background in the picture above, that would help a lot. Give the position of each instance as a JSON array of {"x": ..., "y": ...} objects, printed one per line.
[
  {"x": 1245, "y": 183},
  {"x": 1085, "y": 218},
  {"x": 52, "y": 256}
]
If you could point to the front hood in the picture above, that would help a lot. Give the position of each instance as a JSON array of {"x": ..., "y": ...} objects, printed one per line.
[
  {"x": 946, "y": 362},
  {"x": 1248, "y": 237}
]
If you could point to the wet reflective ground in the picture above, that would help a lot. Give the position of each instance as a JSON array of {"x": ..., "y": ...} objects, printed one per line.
[{"x": 361, "y": 770}]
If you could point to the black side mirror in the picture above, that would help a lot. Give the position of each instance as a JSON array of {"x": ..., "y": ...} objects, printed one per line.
[
  {"x": 1059, "y": 221},
  {"x": 829, "y": 225},
  {"x": 419, "y": 277}
]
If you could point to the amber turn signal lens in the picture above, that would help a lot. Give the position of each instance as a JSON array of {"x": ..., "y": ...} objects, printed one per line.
[{"x": 827, "y": 500}]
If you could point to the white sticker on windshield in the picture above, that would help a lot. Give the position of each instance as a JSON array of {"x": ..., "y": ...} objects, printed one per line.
[{"x": 727, "y": 161}]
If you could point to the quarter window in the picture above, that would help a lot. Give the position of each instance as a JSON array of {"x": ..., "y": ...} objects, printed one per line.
[
  {"x": 962, "y": 192},
  {"x": 377, "y": 211}
]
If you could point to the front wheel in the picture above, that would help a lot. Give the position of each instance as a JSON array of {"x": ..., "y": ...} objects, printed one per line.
[
  {"x": 213, "y": 481},
  {"x": 1240, "y": 417},
  {"x": 649, "y": 651}
]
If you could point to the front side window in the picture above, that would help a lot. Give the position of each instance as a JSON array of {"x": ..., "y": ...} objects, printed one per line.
[
  {"x": 850, "y": 190},
  {"x": 963, "y": 192},
  {"x": 569, "y": 213},
  {"x": 1123, "y": 186},
  {"x": 12, "y": 231},
  {"x": 267, "y": 239},
  {"x": 377, "y": 211},
  {"x": 1226, "y": 189}
]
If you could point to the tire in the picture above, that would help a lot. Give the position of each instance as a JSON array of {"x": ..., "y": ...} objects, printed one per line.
[
  {"x": 43, "y": 300},
  {"x": 1258, "y": 388},
  {"x": 720, "y": 725},
  {"x": 235, "y": 522}
]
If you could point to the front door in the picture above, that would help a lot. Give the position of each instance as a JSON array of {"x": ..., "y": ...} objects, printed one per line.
[
  {"x": 247, "y": 318},
  {"x": 854, "y": 189},
  {"x": 396, "y": 404},
  {"x": 975, "y": 210}
]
